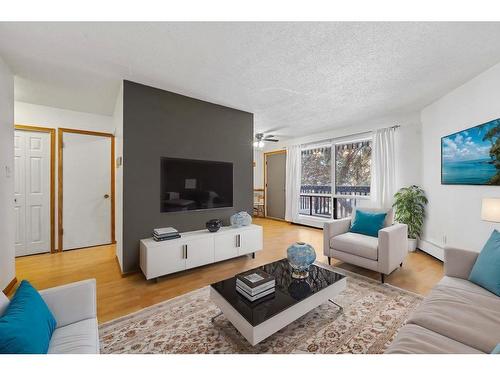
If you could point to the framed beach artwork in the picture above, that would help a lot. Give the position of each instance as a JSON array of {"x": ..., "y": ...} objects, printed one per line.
[{"x": 472, "y": 156}]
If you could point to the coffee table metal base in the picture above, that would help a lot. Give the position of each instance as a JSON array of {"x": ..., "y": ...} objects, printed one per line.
[{"x": 255, "y": 334}]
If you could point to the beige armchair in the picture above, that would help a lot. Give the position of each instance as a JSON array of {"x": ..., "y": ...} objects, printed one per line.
[{"x": 383, "y": 254}]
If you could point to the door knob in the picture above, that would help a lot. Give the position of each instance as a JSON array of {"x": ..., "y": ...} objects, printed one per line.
[{"x": 106, "y": 196}]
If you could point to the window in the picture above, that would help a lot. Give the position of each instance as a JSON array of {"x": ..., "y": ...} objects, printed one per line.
[
  {"x": 316, "y": 182},
  {"x": 352, "y": 175},
  {"x": 349, "y": 171}
]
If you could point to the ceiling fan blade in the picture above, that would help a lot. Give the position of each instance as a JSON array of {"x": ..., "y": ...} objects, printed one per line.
[{"x": 271, "y": 140}]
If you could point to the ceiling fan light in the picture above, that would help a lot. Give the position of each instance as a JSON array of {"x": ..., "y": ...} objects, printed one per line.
[
  {"x": 256, "y": 144},
  {"x": 261, "y": 144}
]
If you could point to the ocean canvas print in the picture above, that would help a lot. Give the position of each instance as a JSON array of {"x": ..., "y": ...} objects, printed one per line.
[{"x": 472, "y": 156}]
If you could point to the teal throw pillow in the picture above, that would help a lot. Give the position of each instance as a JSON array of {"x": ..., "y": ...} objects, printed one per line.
[
  {"x": 27, "y": 324},
  {"x": 486, "y": 270},
  {"x": 368, "y": 223}
]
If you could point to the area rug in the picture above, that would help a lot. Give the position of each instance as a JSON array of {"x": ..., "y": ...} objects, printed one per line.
[{"x": 373, "y": 313}]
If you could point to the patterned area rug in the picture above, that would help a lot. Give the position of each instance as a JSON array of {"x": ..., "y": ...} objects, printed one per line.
[{"x": 372, "y": 315}]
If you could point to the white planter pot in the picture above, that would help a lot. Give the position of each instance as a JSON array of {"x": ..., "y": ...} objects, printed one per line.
[{"x": 412, "y": 244}]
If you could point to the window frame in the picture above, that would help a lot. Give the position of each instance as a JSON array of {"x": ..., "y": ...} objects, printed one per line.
[{"x": 333, "y": 175}]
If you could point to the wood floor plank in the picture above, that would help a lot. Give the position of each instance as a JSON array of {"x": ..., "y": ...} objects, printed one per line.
[{"x": 118, "y": 295}]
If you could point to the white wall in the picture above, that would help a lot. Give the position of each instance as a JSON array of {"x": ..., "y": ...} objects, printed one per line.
[
  {"x": 7, "y": 252},
  {"x": 50, "y": 117},
  {"x": 453, "y": 215},
  {"x": 408, "y": 148},
  {"x": 258, "y": 170},
  {"x": 118, "y": 126},
  {"x": 40, "y": 115}
]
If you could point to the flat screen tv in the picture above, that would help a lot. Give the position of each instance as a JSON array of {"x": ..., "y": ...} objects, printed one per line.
[
  {"x": 472, "y": 156},
  {"x": 188, "y": 185}
]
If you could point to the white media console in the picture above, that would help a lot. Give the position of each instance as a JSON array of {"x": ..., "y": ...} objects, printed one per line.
[{"x": 198, "y": 248}]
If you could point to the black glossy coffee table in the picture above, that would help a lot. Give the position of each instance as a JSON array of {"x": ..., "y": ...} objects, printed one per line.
[{"x": 292, "y": 299}]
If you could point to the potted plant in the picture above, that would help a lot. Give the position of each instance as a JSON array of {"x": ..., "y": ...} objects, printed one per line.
[{"x": 409, "y": 205}]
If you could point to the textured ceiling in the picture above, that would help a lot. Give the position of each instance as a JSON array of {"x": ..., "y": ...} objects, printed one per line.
[{"x": 296, "y": 78}]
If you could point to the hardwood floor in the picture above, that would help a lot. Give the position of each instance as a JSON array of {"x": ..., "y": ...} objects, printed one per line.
[{"x": 119, "y": 295}]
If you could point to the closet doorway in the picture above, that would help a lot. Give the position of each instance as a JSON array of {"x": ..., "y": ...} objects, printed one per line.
[
  {"x": 34, "y": 167},
  {"x": 86, "y": 184}
]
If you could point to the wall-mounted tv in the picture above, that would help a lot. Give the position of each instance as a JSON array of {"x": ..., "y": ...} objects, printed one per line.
[
  {"x": 472, "y": 156},
  {"x": 188, "y": 185}
]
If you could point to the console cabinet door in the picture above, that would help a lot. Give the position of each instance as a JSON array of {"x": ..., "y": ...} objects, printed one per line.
[
  {"x": 165, "y": 259},
  {"x": 225, "y": 246},
  {"x": 199, "y": 252},
  {"x": 250, "y": 241}
]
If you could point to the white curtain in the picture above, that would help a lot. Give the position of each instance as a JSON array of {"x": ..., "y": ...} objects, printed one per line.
[
  {"x": 384, "y": 167},
  {"x": 292, "y": 183}
]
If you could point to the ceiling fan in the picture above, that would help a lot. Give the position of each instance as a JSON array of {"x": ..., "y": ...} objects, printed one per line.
[{"x": 260, "y": 139}]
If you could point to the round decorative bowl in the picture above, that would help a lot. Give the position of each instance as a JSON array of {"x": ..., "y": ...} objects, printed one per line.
[
  {"x": 240, "y": 219},
  {"x": 300, "y": 255},
  {"x": 214, "y": 225}
]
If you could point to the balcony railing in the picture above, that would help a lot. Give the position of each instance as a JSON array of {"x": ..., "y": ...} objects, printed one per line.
[{"x": 317, "y": 200}]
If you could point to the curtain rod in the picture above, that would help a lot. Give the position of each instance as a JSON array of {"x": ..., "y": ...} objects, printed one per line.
[{"x": 348, "y": 135}]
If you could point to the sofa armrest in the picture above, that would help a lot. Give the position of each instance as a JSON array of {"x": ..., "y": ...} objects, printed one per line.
[
  {"x": 458, "y": 262},
  {"x": 73, "y": 302},
  {"x": 332, "y": 229},
  {"x": 392, "y": 247}
]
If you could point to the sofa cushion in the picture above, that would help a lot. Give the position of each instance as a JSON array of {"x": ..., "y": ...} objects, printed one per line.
[
  {"x": 464, "y": 316},
  {"x": 27, "y": 324},
  {"x": 413, "y": 339},
  {"x": 77, "y": 338},
  {"x": 486, "y": 270},
  {"x": 4, "y": 302},
  {"x": 461, "y": 284},
  {"x": 356, "y": 244}
]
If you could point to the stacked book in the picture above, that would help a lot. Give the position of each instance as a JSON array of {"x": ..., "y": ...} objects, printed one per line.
[
  {"x": 162, "y": 234},
  {"x": 255, "y": 284}
]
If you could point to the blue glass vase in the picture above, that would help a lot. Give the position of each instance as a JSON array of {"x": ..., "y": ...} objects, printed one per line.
[
  {"x": 300, "y": 255},
  {"x": 240, "y": 219}
]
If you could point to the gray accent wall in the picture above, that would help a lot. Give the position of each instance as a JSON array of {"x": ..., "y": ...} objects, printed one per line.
[{"x": 160, "y": 123}]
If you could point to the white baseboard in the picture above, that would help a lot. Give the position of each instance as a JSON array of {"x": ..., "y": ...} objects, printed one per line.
[{"x": 432, "y": 249}]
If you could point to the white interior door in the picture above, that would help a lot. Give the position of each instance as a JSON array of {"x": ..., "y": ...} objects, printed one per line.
[
  {"x": 86, "y": 190},
  {"x": 32, "y": 192}
]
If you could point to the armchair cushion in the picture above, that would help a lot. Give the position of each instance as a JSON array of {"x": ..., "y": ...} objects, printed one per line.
[
  {"x": 356, "y": 244},
  {"x": 368, "y": 223}
]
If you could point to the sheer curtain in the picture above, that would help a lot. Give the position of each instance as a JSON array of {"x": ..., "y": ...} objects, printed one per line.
[
  {"x": 292, "y": 183},
  {"x": 384, "y": 167}
]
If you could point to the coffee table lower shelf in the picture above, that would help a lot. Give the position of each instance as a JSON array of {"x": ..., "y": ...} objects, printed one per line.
[{"x": 255, "y": 334}]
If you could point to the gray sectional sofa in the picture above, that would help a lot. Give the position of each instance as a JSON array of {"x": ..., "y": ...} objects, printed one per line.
[{"x": 456, "y": 317}]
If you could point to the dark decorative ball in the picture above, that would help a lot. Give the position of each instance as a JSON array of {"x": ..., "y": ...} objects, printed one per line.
[{"x": 214, "y": 225}]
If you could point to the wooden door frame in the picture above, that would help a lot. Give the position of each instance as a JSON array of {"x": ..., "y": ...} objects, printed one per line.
[
  {"x": 60, "y": 134},
  {"x": 266, "y": 154},
  {"x": 52, "y": 133}
]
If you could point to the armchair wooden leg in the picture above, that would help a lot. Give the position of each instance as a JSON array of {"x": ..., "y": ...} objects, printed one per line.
[
  {"x": 382, "y": 278},
  {"x": 329, "y": 261},
  {"x": 401, "y": 264}
]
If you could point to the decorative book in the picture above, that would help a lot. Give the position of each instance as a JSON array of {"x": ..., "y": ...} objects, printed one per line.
[
  {"x": 253, "y": 298},
  {"x": 254, "y": 278}
]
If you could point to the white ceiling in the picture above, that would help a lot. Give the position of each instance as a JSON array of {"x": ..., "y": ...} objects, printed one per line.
[{"x": 297, "y": 78}]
